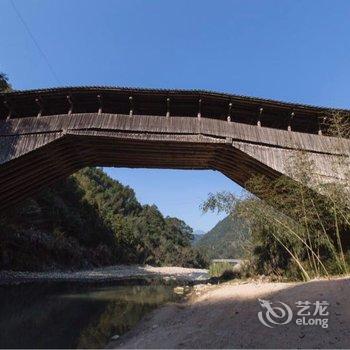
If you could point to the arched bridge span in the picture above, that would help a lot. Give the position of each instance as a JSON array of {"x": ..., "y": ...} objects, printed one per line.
[{"x": 49, "y": 134}]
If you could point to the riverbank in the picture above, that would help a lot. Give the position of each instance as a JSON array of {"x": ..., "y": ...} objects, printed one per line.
[
  {"x": 108, "y": 274},
  {"x": 226, "y": 316}
]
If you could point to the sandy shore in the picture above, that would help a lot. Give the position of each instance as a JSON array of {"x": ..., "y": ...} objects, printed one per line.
[
  {"x": 106, "y": 274},
  {"x": 226, "y": 316}
]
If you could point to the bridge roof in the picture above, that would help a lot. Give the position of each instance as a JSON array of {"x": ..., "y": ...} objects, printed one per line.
[{"x": 276, "y": 114}]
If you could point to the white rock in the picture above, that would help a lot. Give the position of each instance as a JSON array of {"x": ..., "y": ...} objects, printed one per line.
[{"x": 179, "y": 290}]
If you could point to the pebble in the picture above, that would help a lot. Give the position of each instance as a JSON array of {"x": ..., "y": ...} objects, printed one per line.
[{"x": 179, "y": 290}]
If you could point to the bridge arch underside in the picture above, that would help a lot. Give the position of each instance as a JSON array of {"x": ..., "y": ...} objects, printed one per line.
[
  {"x": 37, "y": 151},
  {"x": 64, "y": 156}
]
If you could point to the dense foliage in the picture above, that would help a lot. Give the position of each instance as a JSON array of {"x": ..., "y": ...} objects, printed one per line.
[
  {"x": 90, "y": 219},
  {"x": 226, "y": 240},
  {"x": 4, "y": 83}
]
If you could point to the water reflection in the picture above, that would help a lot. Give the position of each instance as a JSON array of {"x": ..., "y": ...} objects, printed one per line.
[{"x": 63, "y": 316}]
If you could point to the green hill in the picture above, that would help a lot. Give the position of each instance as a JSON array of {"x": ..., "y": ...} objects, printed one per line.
[
  {"x": 224, "y": 240},
  {"x": 90, "y": 220}
]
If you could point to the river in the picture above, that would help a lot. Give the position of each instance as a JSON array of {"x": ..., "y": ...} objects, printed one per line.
[{"x": 61, "y": 315}]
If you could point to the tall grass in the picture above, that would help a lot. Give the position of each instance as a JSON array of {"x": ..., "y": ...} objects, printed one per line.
[{"x": 222, "y": 269}]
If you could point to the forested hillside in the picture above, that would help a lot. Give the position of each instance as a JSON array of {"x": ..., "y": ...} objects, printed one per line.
[
  {"x": 225, "y": 239},
  {"x": 90, "y": 220}
]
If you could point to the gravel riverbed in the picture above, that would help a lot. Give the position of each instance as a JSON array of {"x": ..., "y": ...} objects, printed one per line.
[
  {"x": 107, "y": 274},
  {"x": 227, "y": 317}
]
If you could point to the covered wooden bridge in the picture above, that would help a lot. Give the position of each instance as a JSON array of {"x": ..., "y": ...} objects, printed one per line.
[{"x": 49, "y": 134}]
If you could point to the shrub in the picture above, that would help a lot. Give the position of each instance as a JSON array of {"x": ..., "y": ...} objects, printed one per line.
[{"x": 223, "y": 270}]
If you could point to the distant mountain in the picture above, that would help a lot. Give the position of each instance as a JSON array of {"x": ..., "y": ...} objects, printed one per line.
[
  {"x": 197, "y": 235},
  {"x": 224, "y": 241}
]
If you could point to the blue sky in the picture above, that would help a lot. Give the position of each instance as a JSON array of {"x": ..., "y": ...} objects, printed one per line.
[{"x": 286, "y": 50}]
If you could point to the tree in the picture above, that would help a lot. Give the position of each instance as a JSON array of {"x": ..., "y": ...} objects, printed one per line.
[{"x": 5, "y": 86}]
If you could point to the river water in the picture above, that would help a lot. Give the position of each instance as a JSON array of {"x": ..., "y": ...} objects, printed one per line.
[{"x": 48, "y": 315}]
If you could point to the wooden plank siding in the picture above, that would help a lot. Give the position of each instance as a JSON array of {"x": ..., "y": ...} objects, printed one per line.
[{"x": 36, "y": 150}]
